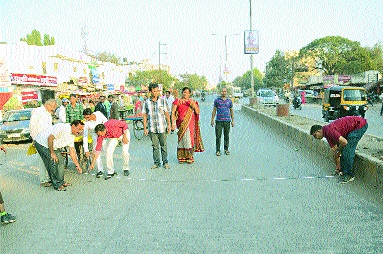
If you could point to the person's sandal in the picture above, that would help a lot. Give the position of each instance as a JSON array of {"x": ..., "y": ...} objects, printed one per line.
[
  {"x": 227, "y": 152},
  {"x": 61, "y": 188},
  {"x": 218, "y": 153},
  {"x": 67, "y": 184}
]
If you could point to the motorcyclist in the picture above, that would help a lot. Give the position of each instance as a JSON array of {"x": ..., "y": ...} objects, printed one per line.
[
  {"x": 202, "y": 96},
  {"x": 297, "y": 101}
]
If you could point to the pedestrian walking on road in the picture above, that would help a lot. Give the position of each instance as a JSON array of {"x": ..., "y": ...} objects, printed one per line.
[
  {"x": 222, "y": 116},
  {"x": 41, "y": 119},
  {"x": 49, "y": 145},
  {"x": 92, "y": 119},
  {"x": 185, "y": 116},
  {"x": 156, "y": 120},
  {"x": 4, "y": 216},
  {"x": 343, "y": 136},
  {"x": 113, "y": 130},
  {"x": 101, "y": 106}
]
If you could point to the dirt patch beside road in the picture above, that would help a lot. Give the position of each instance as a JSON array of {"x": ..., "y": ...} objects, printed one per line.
[{"x": 370, "y": 145}]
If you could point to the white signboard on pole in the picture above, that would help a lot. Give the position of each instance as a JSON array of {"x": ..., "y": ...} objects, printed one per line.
[{"x": 251, "y": 41}]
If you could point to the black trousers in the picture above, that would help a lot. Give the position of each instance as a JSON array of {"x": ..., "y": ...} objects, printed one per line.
[{"x": 219, "y": 126}]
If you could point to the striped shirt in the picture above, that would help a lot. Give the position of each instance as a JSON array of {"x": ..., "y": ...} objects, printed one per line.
[
  {"x": 223, "y": 109},
  {"x": 155, "y": 111}
]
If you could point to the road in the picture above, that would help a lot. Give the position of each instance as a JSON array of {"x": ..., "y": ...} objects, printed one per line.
[{"x": 268, "y": 196}]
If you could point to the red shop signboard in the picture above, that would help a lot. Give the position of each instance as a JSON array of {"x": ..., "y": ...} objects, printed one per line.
[{"x": 33, "y": 79}]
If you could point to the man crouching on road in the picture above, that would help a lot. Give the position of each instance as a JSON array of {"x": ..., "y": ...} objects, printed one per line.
[
  {"x": 114, "y": 130},
  {"x": 49, "y": 144},
  {"x": 343, "y": 136}
]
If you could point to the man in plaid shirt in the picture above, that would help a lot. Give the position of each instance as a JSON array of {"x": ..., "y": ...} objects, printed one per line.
[{"x": 157, "y": 124}]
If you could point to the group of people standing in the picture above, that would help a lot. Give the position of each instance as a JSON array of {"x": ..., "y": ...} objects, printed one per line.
[
  {"x": 185, "y": 117},
  {"x": 161, "y": 116}
]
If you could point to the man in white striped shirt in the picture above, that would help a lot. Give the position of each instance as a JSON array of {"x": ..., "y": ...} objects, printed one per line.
[{"x": 157, "y": 124}]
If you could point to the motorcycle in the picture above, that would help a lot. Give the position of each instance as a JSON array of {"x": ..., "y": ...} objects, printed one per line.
[
  {"x": 202, "y": 97},
  {"x": 297, "y": 102}
]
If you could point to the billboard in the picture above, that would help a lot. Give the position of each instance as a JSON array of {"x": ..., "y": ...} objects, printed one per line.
[{"x": 251, "y": 41}]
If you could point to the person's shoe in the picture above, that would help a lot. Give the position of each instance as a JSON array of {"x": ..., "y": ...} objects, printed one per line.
[
  {"x": 99, "y": 174},
  {"x": 4, "y": 219},
  {"x": 7, "y": 218},
  {"x": 167, "y": 166},
  {"x": 227, "y": 152},
  {"x": 46, "y": 184},
  {"x": 126, "y": 172},
  {"x": 154, "y": 166},
  {"x": 218, "y": 153},
  {"x": 346, "y": 179},
  {"x": 108, "y": 176}
]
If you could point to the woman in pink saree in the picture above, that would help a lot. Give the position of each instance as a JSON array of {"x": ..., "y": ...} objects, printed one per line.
[{"x": 185, "y": 116}]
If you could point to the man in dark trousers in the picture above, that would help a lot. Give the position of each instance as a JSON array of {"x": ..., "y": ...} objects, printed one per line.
[
  {"x": 343, "y": 136},
  {"x": 223, "y": 114},
  {"x": 101, "y": 106}
]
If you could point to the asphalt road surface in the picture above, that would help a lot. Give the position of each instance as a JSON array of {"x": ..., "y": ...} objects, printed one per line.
[{"x": 269, "y": 196}]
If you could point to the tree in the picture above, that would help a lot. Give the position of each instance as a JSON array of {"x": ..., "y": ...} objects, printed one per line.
[
  {"x": 34, "y": 38},
  {"x": 244, "y": 81},
  {"x": 108, "y": 57},
  {"x": 193, "y": 81},
  {"x": 278, "y": 70},
  {"x": 151, "y": 76},
  {"x": 337, "y": 55},
  {"x": 376, "y": 54}
]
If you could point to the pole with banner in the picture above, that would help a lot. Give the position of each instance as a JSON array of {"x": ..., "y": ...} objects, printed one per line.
[{"x": 251, "y": 46}]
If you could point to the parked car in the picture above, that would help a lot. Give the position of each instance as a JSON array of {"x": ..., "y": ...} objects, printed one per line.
[
  {"x": 15, "y": 126},
  {"x": 267, "y": 97}
]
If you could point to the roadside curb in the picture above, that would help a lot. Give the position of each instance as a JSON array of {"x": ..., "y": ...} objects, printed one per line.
[{"x": 367, "y": 168}]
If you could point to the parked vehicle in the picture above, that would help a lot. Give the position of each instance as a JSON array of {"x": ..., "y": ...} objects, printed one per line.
[
  {"x": 237, "y": 92},
  {"x": 267, "y": 97},
  {"x": 339, "y": 101},
  {"x": 15, "y": 126}
]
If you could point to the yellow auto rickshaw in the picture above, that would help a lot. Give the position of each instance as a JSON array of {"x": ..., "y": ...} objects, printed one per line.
[{"x": 339, "y": 101}]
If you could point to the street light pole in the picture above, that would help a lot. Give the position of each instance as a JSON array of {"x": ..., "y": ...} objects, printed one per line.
[
  {"x": 251, "y": 57},
  {"x": 225, "y": 70}
]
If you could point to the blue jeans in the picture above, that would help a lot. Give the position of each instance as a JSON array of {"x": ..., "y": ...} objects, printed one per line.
[
  {"x": 348, "y": 152},
  {"x": 55, "y": 169},
  {"x": 159, "y": 139}
]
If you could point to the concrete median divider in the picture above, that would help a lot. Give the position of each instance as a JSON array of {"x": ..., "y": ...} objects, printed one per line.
[{"x": 368, "y": 169}]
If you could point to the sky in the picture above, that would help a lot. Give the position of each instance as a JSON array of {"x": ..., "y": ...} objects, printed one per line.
[{"x": 184, "y": 28}]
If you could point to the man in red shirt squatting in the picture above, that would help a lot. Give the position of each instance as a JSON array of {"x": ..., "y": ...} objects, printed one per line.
[
  {"x": 343, "y": 136},
  {"x": 114, "y": 130}
]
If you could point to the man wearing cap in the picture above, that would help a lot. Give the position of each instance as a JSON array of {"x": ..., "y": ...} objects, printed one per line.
[
  {"x": 61, "y": 111},
  {"x": 343, "y": 136}
]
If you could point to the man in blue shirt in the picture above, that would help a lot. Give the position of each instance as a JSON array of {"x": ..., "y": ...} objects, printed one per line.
[{"x": 224, "y": 115}]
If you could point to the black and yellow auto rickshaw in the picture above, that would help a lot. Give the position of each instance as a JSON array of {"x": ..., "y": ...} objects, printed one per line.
[{"x": 339, "y": 101}]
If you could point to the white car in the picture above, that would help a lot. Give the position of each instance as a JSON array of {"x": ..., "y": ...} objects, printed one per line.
[{"x": 267, "y": 97}]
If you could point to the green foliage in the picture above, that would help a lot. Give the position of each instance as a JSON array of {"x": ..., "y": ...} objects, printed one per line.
[
  {"x": 278, "y": 70},
  {"x": 156, "y": 76},
  {"x": 34, "y": 38},
  {"x": 108, "y": 57},
  {"x": 338, "y": 55},
  {"x": 193, "y": 81},
  {"x": 245, "y": 80},
  {"x": 376, "y": 54}
]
